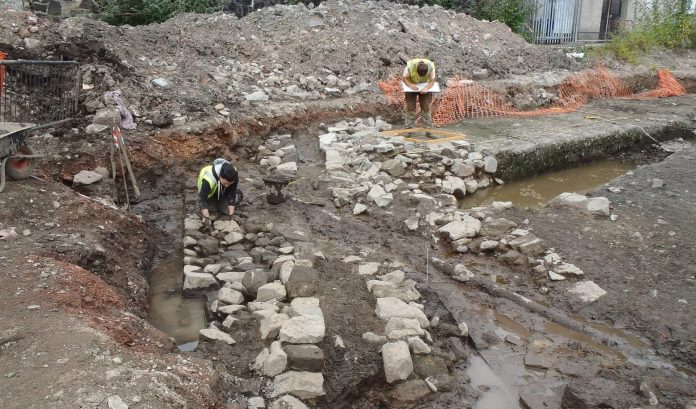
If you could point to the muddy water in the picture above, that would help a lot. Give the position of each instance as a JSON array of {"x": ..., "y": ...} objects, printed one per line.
[
  {"x": 495, "y": 393},
  {"x": 536, "y": 191},
  {"x": 558, "y": 329},
  {"x": 631, "y": 339},
  {"x": 170, "y": 312},
  {"x": 505, "y": 322}
]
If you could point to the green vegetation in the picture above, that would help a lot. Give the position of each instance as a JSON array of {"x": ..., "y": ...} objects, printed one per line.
[
  {"x": 137, "y": 12},
  {"x": 514, "y": 13},
  {"x": 666, "y": 23}
]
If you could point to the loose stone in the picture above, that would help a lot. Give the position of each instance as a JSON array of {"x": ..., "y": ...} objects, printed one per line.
[{"x": 397, "y": 361}]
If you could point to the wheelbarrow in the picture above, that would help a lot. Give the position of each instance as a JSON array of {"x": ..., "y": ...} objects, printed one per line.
[{"x": 16, "y": 157}]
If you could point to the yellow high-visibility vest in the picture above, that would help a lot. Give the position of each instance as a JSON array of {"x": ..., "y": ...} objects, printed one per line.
[{"x": 207, "y": 174}]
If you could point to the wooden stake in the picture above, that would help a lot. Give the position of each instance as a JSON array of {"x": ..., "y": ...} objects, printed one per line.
[{"x": 122, "y": 147}]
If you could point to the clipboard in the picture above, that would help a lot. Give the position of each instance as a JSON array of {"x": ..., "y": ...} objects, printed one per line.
[{"x": 435, "y": 88}]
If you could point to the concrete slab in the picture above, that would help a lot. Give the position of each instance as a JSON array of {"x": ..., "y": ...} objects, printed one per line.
[{"x": 524, "y": 146}]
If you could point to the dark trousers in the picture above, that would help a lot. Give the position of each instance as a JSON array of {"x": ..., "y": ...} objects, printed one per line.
[{"x": 426, "y": 100}]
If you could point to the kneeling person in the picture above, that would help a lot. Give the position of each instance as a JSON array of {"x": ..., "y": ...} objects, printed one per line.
[{"x": 217, "y": 188}]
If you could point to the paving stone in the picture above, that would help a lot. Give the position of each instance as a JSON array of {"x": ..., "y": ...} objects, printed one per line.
[
  {"x": 288, "y": 402},
  {"x": 369, "y": 268},
  {"x": 230, "y": 309},
  {"x": 568, "y": 269},
  {"x": 496, "y": 227},
  {"x": 405, "y": 292},
  {"x": 372, "y": 338},
  {"x": 271, "y": 324},
  {"x": 588, "y": 291},
  {"x": 302, "y": 282},
  {"x": 227, "y": 226},
  {"x": 276, "y": 362},
  {"x": 418, "y": 346},
  {"x": 396, "y": 277},
  {"x": 254, "y": 279},
  {"x": 598, "y": 206},
  {"x": 399, "y": 328},
  {"x": 568, "y": 199},
  {"x": 305, "y": 357},
  {"x": 216, "y": 335},
  {"x": 199, "y": 282},
  {"x": 304, "y": 385},
  {"x": 490, "y": 164},
  {"x": 306, "y": 306},
  {"x": 393, "y": 307},
  {"x": 260, "y": 359},
  {"x": 397, "y": 361},
  {"x": 529, "y": 245},
  {"x": 230, "y": 296},
  {"x": 467, "y": 227},
  {"x": 256, "y": 402},
  {"x": 271, "y": 291},
  {"x": 231, "y": 276},
  {"x": 305, "y": 329}
]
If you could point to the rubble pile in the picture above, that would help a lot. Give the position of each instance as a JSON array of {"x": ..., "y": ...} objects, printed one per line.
[
  {"x": 192, "y": 63},
  {"x": 370, "y": 168},
  {"x": 478, "y": 231}
]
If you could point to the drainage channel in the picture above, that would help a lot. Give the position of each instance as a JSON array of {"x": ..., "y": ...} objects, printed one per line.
[
  {"x": 172, "y": 313},
  {"x": 536, "y": 191}
]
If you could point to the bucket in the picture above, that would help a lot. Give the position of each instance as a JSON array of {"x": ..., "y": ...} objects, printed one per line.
[{"x": 275, "y": 188}]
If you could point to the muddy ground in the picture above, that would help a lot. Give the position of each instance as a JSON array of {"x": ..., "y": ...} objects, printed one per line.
[{"x": 75, "y": 276}]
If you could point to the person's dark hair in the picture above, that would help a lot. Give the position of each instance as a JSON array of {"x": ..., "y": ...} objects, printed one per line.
[
  {"x": 422, "y": 68},
  {"x": 228, "y": 172}
]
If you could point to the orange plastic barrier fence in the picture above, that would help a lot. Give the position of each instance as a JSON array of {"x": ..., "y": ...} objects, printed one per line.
[{"x": 463, "y": 98}]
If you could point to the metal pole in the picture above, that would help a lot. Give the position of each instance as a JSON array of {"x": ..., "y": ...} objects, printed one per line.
[
  {"x": 78, "y": 81},
  {"x": 578, "y": 15},
  {"x": 606, "y": 24}
]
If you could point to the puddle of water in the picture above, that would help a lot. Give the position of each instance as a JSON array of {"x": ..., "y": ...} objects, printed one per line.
[
  {"x": 505, "y": 322},
  {"x": 179, "y": 317},
  {"x": 536, "y": 191},
  {"x": 631, "y": 339},
  {"x": 496, "y": 393},
  {"x": 568, "y": 333}
]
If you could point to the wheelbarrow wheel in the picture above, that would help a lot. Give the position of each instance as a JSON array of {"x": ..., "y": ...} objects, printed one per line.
[{"x": 21, "y": 168}]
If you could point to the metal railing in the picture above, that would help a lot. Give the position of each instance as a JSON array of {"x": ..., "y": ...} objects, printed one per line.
[
  {"x": 39, "y": 92},
  {"x": 555, "y": 21}
]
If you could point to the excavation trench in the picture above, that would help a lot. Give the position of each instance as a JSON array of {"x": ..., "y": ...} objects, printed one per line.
[{"x": 328, "y": 232}]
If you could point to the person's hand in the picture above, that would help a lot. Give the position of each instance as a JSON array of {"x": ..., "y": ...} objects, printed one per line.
[{"x": 413, "y": 87}]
